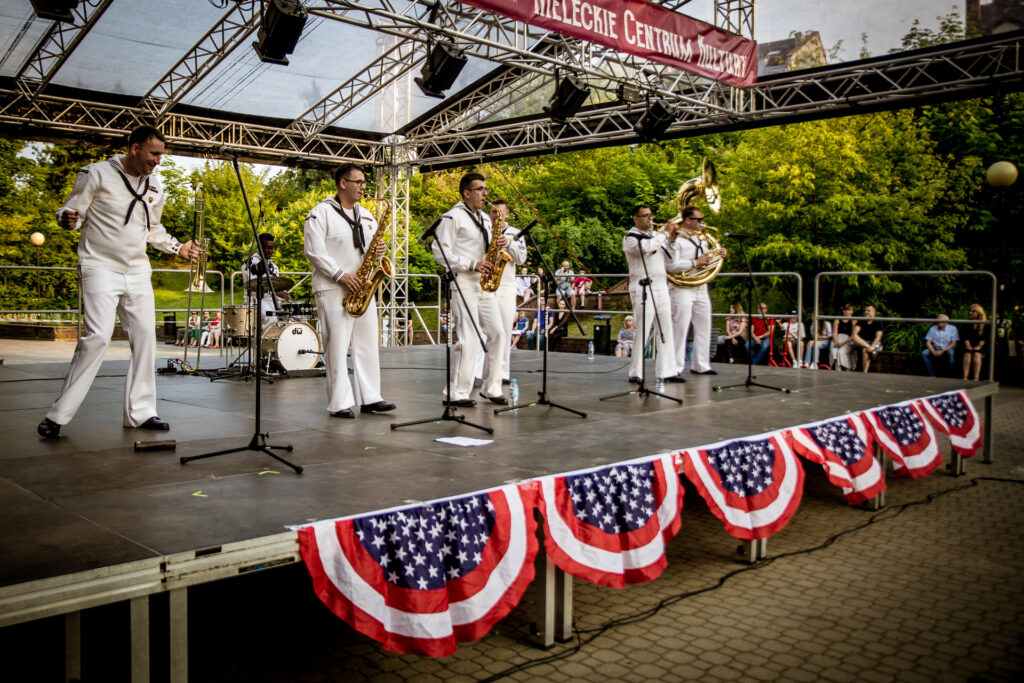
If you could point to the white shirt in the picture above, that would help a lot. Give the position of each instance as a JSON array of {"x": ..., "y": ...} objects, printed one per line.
[
  {"x": 650, "y": 243},
  {"x": 102, "y": 201},
  {"x": 328, "y": 242},
  {"x": 682, "y": 252},
  {"x": 465, "y": 243},
  {"x": 517, "y": 250},
  {"x": 253, "y": 268}
]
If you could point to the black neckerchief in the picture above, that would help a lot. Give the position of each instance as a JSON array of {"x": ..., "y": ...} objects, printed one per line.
[
  {"x": 699, "y": 244},
  {"x": 478, "y": 221},
  {"x": 136, "y": 196},
  {"x": 356, "y": 225}
]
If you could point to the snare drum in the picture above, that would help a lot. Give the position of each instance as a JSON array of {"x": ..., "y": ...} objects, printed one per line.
[
  {"x": 284, "y": 342},
  {"x": 237, "y": 321},
  {"x": 299, "y": 310}
]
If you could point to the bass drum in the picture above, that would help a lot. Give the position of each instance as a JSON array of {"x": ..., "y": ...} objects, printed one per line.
[
  {"x": 284, "y": 344},
  {"x": 237, "y": 321}
]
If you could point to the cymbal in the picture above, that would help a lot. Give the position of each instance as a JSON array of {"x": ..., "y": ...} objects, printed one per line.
[{"x": 279, "y": 284}]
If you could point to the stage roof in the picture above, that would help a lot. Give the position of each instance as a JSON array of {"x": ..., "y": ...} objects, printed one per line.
[{"x": 348, "y": 92}]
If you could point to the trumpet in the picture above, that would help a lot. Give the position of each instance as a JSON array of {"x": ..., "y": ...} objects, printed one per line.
[{"x": 196, "y": 281}]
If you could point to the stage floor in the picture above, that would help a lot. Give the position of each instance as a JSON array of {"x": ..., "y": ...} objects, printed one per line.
[{"x": 88, "y": 500}]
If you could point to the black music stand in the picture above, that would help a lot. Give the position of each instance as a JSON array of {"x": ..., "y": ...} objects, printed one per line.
[
  {"x": 751, "y": 290},
  {"x": 542, "y": 395},
  {"x": 449, "y": 414},
  {"x": 258, "y": 441},
  {"x": 641, "y": 390}
]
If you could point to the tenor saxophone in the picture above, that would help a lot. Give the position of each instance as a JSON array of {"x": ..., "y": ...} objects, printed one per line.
[
  {"x": 497, "y": 256},
  {"x": 372, "y": 270}
]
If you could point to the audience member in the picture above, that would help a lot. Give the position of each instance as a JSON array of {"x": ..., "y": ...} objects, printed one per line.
[
  {"x": 735, "y": 339},
  {"x": 581, "y": 287},
  {"x": 558, "y": 326},
  {"x": 524, "y": 286},
  {"x": 793, "y": 334},
  {"x": 940, "y": 343},
  {"x": 539, "y": 324},
  {"x": 975, "y": 339},
  {"x": 624, "y": 340},
  {"x": 816, "y": 352},
  {"x": 843, "y": 353},
  {"x": 762, "y": 328},
  {"x": 563, "y": 281},
  {"x": 867, "y": 335},
  {"x": 521, "y": 327}
]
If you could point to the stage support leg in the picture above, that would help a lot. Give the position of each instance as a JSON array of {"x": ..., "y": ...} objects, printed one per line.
[
  {"x": 987, "y": 435},
  {"x": 544, "y": 585},
  {"x": 563, "y": 606},
  {"x": 179, "y": 635},
  {"x": 73, "y": 646},
  {"x": 754, "y": 551},
  {"x": 956, "y": 463},
  {"x": 140, "y": 639},
  {"x": 878, "y": 502}
]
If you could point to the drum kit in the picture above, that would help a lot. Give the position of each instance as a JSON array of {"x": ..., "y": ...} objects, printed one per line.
[{"x": 290, "y": 344}]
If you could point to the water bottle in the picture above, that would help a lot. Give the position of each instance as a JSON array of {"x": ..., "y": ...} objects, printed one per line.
[
  {"x": 659, "y": 384},
  {"x": 513, "y": 391},
  {"x": 590, "y": 350}
]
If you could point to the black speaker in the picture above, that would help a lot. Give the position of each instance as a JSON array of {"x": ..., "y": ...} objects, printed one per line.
[
  {"x": 654, "y": 122},
  {"x": 55, "y": 10},
  {"x": 444, "y": 64},
  {"x": 568, "y": 98},
  {"x": 280, "y": 30}
]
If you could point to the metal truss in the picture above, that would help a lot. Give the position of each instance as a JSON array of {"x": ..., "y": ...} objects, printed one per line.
[
  {"x": 392, "y": 184},
  {"x": 736, "y": 16},
  {"x": 70, "y": 116},
  {"x": 945, "y": 72},
  {"x": 56, "y": 45},
  {"x": 237, "y": 24}
]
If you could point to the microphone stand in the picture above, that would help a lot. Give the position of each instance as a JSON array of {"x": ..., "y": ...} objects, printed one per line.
[
  {"x": 450, "y": 414},
  {"x": 751, "y": 290},
  {"x": 258, "y": 441},
  {"x": 542, "y": 395},
  {"x": 645, "y": 285}
]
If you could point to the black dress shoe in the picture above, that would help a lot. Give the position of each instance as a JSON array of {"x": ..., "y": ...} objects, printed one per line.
[
  {"x": 155, "y": 423},
  {"x": 347, "y": 412},
  {"x": 461, "y": 403},
  {"x": 634, "y": 380},
  {"x": 48, "y": 429},
  {"x": 676, "y": 378},
  {"x": 500, "y": 400},
  {"x": 706, "y": 372},
  {"x": 378, "y": 407}
]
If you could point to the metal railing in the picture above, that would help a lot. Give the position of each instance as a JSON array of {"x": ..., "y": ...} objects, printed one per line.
[{"x": 915, "y": 273}]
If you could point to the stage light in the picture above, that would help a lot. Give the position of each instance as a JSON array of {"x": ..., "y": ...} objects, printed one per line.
[
  {"x": 569, "y": 96},
  {"x": 654, "y": 122},
  {"x": 444, "y": 63},
  {"x": 629, "y": 93},
  {"x": 280, "y": 28},
  {"x": 55, "y": 10}
]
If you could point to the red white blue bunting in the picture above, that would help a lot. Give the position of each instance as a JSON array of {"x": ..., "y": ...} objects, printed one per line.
[
  {"x": 844, "y": 449},
  {"x": 954, "y": 415},
  {"x": 907, "y": 438}
]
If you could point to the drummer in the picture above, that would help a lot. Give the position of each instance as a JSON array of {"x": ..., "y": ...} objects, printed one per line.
[{"x": 255, "y": 267}]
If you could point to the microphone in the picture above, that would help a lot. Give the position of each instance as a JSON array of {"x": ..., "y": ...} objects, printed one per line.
[
  {"x": 736, "y": 235},
  {"x": 428, "y": 235},
  {"x": 525, "y": 231}
]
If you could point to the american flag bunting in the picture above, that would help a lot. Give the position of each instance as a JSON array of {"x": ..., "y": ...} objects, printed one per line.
[
  {"x": 954, "y": 414},
  {"x": 843, "y": 448},
  {"x": 906, "y": 436}
]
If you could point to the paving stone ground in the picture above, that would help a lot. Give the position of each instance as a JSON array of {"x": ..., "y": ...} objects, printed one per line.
[{"x": 929, "y": 589}]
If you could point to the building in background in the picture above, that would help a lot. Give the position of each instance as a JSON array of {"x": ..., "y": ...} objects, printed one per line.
[
  {"x": 801, "y": 50},
  {"x": 993, "y": 16}
]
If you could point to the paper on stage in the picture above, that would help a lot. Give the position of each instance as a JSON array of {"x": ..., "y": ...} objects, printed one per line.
[{"x": 464, "y": 441}]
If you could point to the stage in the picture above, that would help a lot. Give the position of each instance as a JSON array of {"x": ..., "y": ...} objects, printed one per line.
[{"x": 90, "y": 521}]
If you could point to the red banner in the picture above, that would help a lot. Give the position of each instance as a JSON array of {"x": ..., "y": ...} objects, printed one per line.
[{"x": 640, "y": 28}]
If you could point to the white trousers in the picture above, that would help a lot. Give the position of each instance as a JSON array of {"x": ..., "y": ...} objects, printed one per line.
[
  {"x": 666, "y": 365},
  {"x": 105, "y": 294},
  {"x": 506, "y": 297},
  {"x": 844, "y": 356},
  {"x": 341, "y": 334},
  {"x": 483, "y": 309},
  {"x": 692, "y": 304}
]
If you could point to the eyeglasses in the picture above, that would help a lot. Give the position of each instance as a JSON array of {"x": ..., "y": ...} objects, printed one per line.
[
  {"x": 361, "y": 183},
  {"x": 478, "y": 189},
  {"x": 695, "y": 218}
]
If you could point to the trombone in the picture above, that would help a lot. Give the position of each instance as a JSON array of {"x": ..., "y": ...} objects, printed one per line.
[{"x": 196, "y": 282}]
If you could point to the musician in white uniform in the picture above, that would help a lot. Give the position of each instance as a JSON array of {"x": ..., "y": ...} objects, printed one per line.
[
  {"x": 120, "y": 203},
  {"x": 336, "y": 238},
  {"x": 642, "y": 237},
  {"x": 255, "y": 268},
  {"x": 506, "y": 294},
  {"x": 687, "y": 249},
  {"x": 464, "y": 234}
]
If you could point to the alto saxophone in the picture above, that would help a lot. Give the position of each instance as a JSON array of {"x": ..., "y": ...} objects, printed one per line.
[
  {"x": 372, "y": 270},
  {"x": 497, "y": 256}
]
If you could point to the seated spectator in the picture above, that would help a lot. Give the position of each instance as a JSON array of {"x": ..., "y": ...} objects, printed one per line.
[
  {"x": 211, "y": 326},
  {"x": 821, "y": 342},
  {"x": 558, "y": 326},
  {"x": 975, "y": 339},
  {"x": 735, "y": 339},
  {"x": 524, "y": 286},
  {"x": 442, "y": 320},
  {"x": 843, "y": 353},
  {"x": 762, "y": 328},
  {"x": 520, "y": 327},
  {"x": 793, "y": 334},
  {"x": 867, "y": 335},
  {"x": 624, "y": 340},
  {"x": 581, "y": 287},
  {"x": 563, "y": 281},
  {"x": 539, "y": 324},
  {"x": 195, "y": 327},
  {"x": 940, "y": 347}
]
